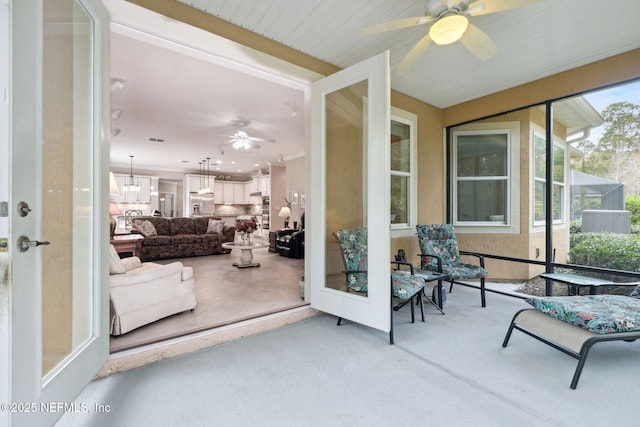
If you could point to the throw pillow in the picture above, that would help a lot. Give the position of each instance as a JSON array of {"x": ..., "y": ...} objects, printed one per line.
[
  {"x": 116, "y": 266},
  {"x": 215, "y": 226},
  {"x": 145, "y": 227}
]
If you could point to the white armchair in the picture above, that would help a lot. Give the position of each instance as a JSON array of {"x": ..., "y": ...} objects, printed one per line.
[{"x": 142, "y": 293}]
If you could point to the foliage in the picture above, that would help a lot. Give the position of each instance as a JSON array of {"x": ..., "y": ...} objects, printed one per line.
[
  {"x": 606, "y": 250},
  {"x": 247, "y": 225},
  {"x": 632, "y": 204},
  {"x": 616, "y": 155}
]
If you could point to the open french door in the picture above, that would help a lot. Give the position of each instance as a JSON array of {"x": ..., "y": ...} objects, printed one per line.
[
  {"x": 57, "y": 210},
  {"x": 349, "y": 172}
]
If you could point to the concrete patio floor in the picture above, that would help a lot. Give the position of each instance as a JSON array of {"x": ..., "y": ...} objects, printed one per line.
[{"x": 449, "y": 371}]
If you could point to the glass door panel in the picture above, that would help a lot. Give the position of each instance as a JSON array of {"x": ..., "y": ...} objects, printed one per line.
[
  {"x": 346, "y": 181},
  {"x": 67, "y": 194}
]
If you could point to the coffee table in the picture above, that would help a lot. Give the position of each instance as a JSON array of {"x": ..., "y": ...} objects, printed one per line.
[{"x": 246, "y": 252}]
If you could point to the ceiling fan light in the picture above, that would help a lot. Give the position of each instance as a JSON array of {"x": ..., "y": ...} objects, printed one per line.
[
  {"x": 448, "y": 29},
  {"x": 237, "y": 144}
]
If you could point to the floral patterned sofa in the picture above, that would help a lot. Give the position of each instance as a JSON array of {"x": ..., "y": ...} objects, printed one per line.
[{"x": 181, "y": 237}]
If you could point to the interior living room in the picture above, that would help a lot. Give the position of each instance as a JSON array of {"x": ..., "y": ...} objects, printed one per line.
[{"x": 205, "y": 138}]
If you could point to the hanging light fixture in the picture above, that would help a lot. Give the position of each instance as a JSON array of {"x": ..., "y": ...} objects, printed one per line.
[
  {"x": 207, "y": 187},
  {"x": 200, "y": 190},
  {"x": 129, "y": 183},
  {"x": 448, "y": 29}
]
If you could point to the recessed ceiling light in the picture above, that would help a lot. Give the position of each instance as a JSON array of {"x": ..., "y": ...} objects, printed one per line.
[
  {"x": 256, "y": 164},
  {"x": 233, "y": 163}
]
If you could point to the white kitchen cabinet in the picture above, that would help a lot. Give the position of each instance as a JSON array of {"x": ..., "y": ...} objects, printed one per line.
[
  {"x": 227, "y": 191},
  {"x": 141, "y": 196},
  {"x": 218, "y": 190},
  {"x": 265, "y": 185},
  {"x": 238, "y": 193}
]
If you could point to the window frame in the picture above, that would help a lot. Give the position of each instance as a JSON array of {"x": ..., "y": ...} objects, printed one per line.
[
  {"x": 494, "y": 128},
  {"x": 557, "y": 144},
  {"x": 411, "y": 120}
]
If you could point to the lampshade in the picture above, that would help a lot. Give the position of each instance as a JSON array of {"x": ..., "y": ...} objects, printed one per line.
[
  {"x": 448, "y": 29},
  {"x": 114, "y": 209},
  {"x": 114, "y": 190},
  {"x": 285, "y": 212}
]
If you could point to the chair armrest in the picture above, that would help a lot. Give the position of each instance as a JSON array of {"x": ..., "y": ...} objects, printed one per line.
[
  {"x": 422, "y": 265},
  {"x": 354, "y": 271},
  {"x": 399, "y": 263},
  {"x": 285, "y": 232},
  {"x": 480, "y": 257}
]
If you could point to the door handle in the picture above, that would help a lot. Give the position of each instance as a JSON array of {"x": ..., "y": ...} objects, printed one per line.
[{"x": 24, "y": 243}]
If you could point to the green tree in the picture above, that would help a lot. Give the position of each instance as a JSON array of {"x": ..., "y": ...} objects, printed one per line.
[{"x": 616, "y": 155}]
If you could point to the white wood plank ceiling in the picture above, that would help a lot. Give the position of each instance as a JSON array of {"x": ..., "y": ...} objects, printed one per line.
[{"x": 534, "y": 41}]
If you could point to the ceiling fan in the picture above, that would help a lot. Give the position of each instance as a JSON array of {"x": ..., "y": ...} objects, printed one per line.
[
  {"x": 241, "y": 140},
  {"x": 450, "y": 23}
]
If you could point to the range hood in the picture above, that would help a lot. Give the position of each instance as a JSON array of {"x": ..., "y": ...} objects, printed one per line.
[{"x": 256, "y": 193}]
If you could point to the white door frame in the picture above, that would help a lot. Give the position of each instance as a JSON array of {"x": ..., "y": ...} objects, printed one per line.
[
  {"x": 20, "y": 317},
  {"x": 373, "y": 310}
]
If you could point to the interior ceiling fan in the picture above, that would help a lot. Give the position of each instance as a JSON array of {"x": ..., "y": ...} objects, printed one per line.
[
  {"x": 449, "y": 21},
  {"x": 242, "y": 140}
]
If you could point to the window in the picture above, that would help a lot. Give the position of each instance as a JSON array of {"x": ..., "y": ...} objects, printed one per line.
[
  {"x": 482, "y": 177},
  {"x": 403, "y": 182},
  {"x": 540, "y": 190}
]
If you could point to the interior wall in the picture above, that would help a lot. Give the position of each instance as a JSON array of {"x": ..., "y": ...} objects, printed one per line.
[
  {"x": 277, "y": 195},
  {"x": 296, "y": 182}
]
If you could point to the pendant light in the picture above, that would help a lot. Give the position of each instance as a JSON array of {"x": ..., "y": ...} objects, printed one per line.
[
  {"x": 129, "y": 184},
  {"x": 207, "y": 187}
]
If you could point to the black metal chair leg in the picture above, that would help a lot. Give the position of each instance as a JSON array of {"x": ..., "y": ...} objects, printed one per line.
[
  {"x": 483, "y": 299},
  {"x": 339, "y": 320}
]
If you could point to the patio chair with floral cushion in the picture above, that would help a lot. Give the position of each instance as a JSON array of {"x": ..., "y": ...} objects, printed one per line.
[
  {"x": 439, "y": 252},
  {"x": 405, "y": 286}
]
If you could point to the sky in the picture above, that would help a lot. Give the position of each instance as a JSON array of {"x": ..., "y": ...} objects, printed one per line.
[{"x": 602, "y": 99}]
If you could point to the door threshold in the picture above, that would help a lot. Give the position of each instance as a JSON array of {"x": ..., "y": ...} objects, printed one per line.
[{"x": 152, "y": 353}]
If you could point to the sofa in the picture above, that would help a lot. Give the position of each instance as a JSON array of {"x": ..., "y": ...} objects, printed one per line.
[
  {"x": 141, "y": 293},
  {"x": 181, "y": 237},
  {"x": 290, "y": 242}
]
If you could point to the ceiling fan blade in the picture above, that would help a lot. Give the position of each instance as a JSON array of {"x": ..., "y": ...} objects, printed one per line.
[
  {"x": 253, "y": 138},
  {"x": 396, "y": 25},
  {"x": 414, "y": 53},
  {"x": 478, "y": 43},
  {"x": 485, "y": 7}
]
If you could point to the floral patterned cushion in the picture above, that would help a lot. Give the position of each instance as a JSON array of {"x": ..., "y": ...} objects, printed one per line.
[
  {"x": 601, "y": 314},
  {"x": 353, "y": 245},
  {"x": 440, "y": 240},
  {"x": 405, "y": 285}
]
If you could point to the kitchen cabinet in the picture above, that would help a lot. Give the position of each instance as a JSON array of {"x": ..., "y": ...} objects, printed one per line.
[
  {"x": 141, "y": 196},
  {"x": 239, "y": 194},
  {"x": 265, "y": 185}
]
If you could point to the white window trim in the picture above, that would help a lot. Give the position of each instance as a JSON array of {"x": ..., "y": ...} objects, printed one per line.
[
  {"x": 557, "y": 142},
  {"x": 410, "y": 119},
  {"x": 512, "y": 223},
  {"x": 506, "y": 178}
]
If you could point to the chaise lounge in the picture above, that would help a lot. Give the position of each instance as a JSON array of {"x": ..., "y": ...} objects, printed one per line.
[{"x": 573, "y": 324}]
